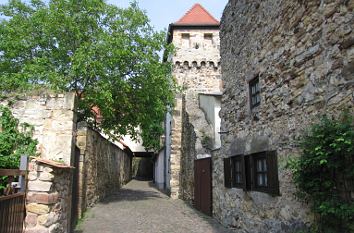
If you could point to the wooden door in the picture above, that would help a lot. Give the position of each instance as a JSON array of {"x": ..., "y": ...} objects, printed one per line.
[{"x": 202, "y": 185}]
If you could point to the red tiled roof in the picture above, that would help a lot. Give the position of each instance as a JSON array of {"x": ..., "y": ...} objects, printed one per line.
[{"x": 197, "y": 15}]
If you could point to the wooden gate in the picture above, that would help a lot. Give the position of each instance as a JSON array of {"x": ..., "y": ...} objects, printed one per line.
[
  {"x": 202, "y": 185},
  {"x": 12, "y": 203},
  {"x": 12, "y": 213}
]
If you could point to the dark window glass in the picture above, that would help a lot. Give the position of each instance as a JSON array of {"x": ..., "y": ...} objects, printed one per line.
[
  {"x": 261, "y": 172},
  {"x": 237, "y": 170},
  {"x": 255, "y": 92}
]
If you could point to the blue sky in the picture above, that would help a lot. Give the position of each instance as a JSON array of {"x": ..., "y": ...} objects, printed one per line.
[{"x": 164, "y": 12}]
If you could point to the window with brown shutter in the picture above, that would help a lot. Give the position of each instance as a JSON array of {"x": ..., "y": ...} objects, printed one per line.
[{"x": 255, "y": 172}]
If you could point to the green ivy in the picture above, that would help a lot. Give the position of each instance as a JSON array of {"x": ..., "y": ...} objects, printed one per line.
[
  {"x": 324, "y": 173},
  {"x": 15, "y": 140}
]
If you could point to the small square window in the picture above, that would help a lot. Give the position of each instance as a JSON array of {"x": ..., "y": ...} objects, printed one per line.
[
  {"x": 255, "y": 92},
  {"x": 185, "y": 36},
  {"x": 208, "y": 36},
  {"x": 185, "y": 40}
]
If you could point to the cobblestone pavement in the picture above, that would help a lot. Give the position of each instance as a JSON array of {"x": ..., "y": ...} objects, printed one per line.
[{"x": 140, "y": 208}]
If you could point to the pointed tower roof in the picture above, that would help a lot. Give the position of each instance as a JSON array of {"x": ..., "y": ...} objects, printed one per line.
[
  {"x": 197, "y": 15},
  {"x": 196, "y": 18}
]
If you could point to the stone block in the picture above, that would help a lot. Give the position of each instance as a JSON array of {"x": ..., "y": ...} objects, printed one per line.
[
  {"x": 37, "y": 208},
  {"x": 42, "y": 219},
  {"x": 56, "y": 228},
  {"x": 38, "y": 229},
  {"x": 70, "y": 100},
  {"x": 48, "y": 169},
  {"x": 32, "y": 175},
  {"x": 31, "y": 220},
  {"x": 32, "y": 166},
  {"x": 45, "y": 176},
  {"x": 48, "y": 219},
  {"x": 42, "y": 198},
  {"x": 39, "y": 186}
]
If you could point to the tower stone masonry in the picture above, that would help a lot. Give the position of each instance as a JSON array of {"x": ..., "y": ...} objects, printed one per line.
[{"x": 196, "y": 69}]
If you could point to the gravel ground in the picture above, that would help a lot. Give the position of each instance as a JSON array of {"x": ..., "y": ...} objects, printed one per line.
[{"x": 140, "y": 208}]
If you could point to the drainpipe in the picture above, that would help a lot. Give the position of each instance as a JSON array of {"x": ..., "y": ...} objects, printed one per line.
[{"x": 165, "y": 156}]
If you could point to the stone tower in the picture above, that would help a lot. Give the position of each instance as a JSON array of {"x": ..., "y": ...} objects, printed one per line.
[{"x": 192, "y": 129}]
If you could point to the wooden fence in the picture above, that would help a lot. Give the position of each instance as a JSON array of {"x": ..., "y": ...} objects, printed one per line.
[
  {"x": 12, "y": 204},
  {"x": 12, "y": 213}
]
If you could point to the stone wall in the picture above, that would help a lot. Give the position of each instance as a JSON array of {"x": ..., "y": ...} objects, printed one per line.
[
  {"x": 54, "y": 121},
  {"x": 49, "y": 197},
  {"x": 104, "y": 167},
  {"x": 188, "y": 156},
  {"x": 302, "y": 52},
  {"x": 196, "y": 69}
]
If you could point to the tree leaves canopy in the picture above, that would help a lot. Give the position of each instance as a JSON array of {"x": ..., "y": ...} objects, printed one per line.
[{"x": 109, "y": 56}]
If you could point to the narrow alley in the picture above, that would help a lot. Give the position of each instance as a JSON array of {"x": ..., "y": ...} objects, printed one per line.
[{"x": 140, "y": 207}]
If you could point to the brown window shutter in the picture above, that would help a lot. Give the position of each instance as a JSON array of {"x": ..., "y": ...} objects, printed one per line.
[
  {"x": 272, "y": 164},
  {"x": 252, "y": 184},
  {"x": 244, "y": 173},
  {"x": 227, "y": 172}
]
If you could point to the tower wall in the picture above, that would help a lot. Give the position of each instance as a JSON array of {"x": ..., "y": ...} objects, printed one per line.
[{"x": 196, "y": 69}]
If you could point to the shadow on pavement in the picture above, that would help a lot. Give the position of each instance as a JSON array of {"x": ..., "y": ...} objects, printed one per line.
[
  {"x": 131, "y": 195},
  {"x": 135, "y": 193}
]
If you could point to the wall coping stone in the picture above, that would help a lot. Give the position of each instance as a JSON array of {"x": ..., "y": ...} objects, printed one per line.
[{"x": 52, "y": 163}]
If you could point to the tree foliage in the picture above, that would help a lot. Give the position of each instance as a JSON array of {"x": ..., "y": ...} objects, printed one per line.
[
  {"x": 109, "y": 56},
  {"x": 325, "y": 172},
  {"x": 15, "y": 140}
]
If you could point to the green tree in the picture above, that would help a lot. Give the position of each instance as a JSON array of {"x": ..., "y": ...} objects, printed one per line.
[
  {"x": 15, "y": 140},
  {"x": 109, "y": 56}
]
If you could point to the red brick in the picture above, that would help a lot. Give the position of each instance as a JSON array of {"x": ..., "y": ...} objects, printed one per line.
[{"x": 42, "y": 198}]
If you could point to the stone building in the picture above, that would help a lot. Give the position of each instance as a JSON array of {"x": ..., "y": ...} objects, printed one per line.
[
  {"x": 192, "y": 128},
  {"x": 284, "y": 63}
]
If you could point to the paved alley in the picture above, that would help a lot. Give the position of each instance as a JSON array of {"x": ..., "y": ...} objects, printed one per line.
[{"x": 140, "y": 208}]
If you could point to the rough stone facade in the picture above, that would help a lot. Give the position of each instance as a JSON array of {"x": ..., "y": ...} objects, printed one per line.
[
  {"x": 104, "y": 167},
  {"x": 196, "y": 69},
  {"x": 54, "y": 121},
  {"x": 303, "y": 54},
  {"x": 187, "y": 161},
  {"x": 49, "y": 197}
]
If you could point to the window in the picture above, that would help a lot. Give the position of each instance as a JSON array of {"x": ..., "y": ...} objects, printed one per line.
[
  {"x": 233, "y": 168},
  {"x": 255, "y": 92},
  {"x": 255, "y": 172},
  {"x": 208, "y": 40},
  {"x": 208, "y": 36},
  {"x": 261, "y": 172},
  {"x": 185, "y": 40},
  {"x": 237, "y": 171}
]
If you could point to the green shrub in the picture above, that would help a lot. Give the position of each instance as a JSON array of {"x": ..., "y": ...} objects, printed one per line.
[
  {"x": 15, "y": 140},
  {"x": 324, "y": 173}
]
